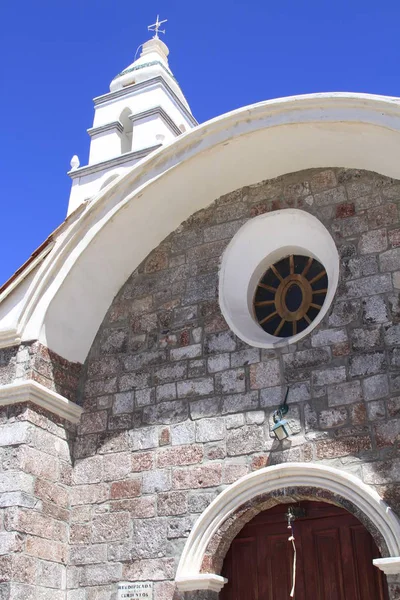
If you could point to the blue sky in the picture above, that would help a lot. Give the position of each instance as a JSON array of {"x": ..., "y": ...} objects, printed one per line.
[{"x": 57, "y": 56}]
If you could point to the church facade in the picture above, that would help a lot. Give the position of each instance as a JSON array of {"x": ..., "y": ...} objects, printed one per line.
[{"x": 205, "y": 353}]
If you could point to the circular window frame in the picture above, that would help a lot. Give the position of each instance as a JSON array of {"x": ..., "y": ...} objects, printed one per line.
[{"x": 259, "y": 244}]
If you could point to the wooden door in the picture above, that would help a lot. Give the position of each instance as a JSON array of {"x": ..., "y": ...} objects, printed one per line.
[{"x": 334, "y": 558}]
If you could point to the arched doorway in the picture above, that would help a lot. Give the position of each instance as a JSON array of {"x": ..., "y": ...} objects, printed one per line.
[{"x": 334, "y": 553}]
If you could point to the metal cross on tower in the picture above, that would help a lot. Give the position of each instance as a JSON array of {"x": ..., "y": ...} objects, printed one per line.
[{"x": 156, "y": 27}]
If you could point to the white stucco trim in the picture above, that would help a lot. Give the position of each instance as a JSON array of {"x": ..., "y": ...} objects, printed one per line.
[
  {"x": 268, "y": 480},
  {"x": 32, "y": 391},
  {"x": 257, "y": 245},
  {"x": 390, "y": 566},
  {"x": 75, "y": 285}
]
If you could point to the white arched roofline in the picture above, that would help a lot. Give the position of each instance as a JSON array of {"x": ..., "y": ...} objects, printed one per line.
[
  {"x": 266, "y": 481},
  {"x": 103, "y": 242}
]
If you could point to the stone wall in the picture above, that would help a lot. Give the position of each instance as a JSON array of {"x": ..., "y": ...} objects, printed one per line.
[
  {"x": 32, "y": 360},
  {"x": 35, "y": 480},
  {"x": 177, "y": 407}
]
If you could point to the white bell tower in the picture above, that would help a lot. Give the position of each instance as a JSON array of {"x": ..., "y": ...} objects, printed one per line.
[{"x": 144, "y": 109}]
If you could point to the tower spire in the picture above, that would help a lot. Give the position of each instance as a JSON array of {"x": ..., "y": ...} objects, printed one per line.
[{"x": 156, "y": 27}]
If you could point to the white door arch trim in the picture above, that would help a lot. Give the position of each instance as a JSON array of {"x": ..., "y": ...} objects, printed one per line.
[{"x": 270, "y": 479}]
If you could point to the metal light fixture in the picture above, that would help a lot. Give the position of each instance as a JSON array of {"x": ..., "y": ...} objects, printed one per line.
[{"x": 281, "y": 429}]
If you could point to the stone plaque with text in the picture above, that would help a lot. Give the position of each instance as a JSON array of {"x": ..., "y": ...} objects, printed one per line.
[{"x": 135, "y": 590}]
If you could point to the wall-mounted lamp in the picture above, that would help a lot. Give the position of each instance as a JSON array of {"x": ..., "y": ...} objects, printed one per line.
[{"x": 281, "y": 428}]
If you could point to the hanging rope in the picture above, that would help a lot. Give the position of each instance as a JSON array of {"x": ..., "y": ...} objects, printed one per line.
[{"x": 292, "y": 539}]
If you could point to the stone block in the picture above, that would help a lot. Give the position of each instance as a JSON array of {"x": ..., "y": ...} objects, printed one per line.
[
  {"x": 16, "y": 433},
  {"x": 144, "y": 397},
  {"x": 230, "y": 382},
  {"x": 265, "y": 374},
  {"x": 245, "y": 440},
  {"x": 116, "y": 466},
  {"x": 392, "y": 335},
  {"x": 335, "y": 195},
  {"x": 373, "y": 241},
  {"x": 195, "y": 387},
  {"x": 40, "y": 547},
  {"x": 234, "y": 421},
  {"x": 377, "y": 473},
  {"x": 51, "y": 574},
  {"x": 10, "y": 541},
  {"x": 209, "y": 430},
  {"x": 375, "y": 387},
  {"x": 84, "y": 555},
  {"x": 344, "y": 313},
  {"x": 256, "y": 417},
  {"x": 329, "y": 376},
  {"x": 209, "y": 475},
  {"x": 143, "y": 507},
  {"x": 376, "y": 410},
  {"x": 390, "y": 260},
  {"x": 394, "y": 238},
  {"x": 88, "y": 494},
  {"x": 271, "y": 396},
  {"x": 342, "y": 447},
  {"x": 186, "y": 352},
  {"x": 170, "y": 373},
  {"x": 133, "y": 381},
  {"x": 172, "y": 503},
  {"x": 182, "y": 433},
  {"x": 151, "y": 569},
  {"x": 129, "y": 488},
  {"x": 344, "y": 393},
  {"x": 149, "y": 538},
  {"x": 327, "y": 337},
  {"x": 165, "y": 413},
  {"x": 198, "y": 501},
  {"x": 142, "y": 461},
  {"x": 223, "y": 231},
  {"x": 206, "y": 407},
  {"x": 51, "y": 492},
  {"x": 245, "y": 357},
  {"x": 157, "y": 480},
  {"x": 369, "y": 286},
  {"x": 219, "y": 362},
  {"x": 179, "y": 527},
  {"x": 374, "y": 310},
  {"x": 366, "y": 338},
  {"x": 143, "y": 438},
  {"x": 123, "y": 403},
  {"x": 367, "y": 364},
  {"x": 179, "y": 456},
  {"x": 335, "y": 417},
  {"x": 387, "y": 434},
  {"x": 100, "y": 574},
  {"x": 382, "y": 216},
  {"x": 11, "y": 481},
  {"x": 220, "y": 342},
  {"x": 304, "y": 359},
  {"x": 110, "y": 527},
  {"x": 197, "y": 368},
  {"x": 88, "y": 470},
  {"x": 236, "y": 403}
]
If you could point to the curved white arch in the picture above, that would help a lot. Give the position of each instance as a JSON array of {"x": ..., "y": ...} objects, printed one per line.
[
  {"x": 267, "y": 480},
  {"x": 99, "y": 245}
]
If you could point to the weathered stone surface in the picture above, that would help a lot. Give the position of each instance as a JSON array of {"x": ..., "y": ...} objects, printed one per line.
[
  {"x": 197, "y": 477},
  {"x": 176, "y": 407},
  {"x": 264, "y": 375},
  {"x": 109, "y": 527},
  {"x": 209, "y": 430},
  {"x": 344, "y": 393},
  {"x": 245, "y": 440}
]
